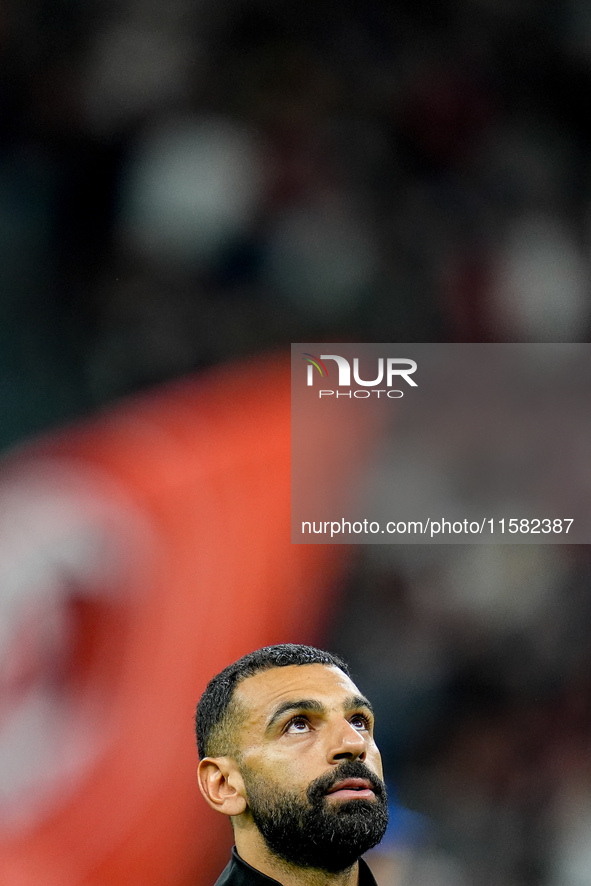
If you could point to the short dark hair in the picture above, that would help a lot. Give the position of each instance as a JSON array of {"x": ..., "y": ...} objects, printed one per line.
[{"x": 217, "y": 714}]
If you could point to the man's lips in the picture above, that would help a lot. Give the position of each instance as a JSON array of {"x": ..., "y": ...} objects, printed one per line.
[{"x": 352, "y": 789}]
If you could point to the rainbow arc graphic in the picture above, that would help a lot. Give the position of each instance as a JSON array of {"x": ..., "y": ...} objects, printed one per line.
[{"x": 312, "y": 362}]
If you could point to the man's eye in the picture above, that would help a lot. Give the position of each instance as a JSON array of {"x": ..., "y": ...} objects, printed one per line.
[
  {"x": 297, "y": 724},
  {"x": 359, "y": 721}
]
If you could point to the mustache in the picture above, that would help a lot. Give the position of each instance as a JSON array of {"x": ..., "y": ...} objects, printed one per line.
[{"x": 349, "y": 769}]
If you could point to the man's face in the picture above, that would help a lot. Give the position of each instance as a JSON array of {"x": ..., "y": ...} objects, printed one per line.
[{"x": 311, "y": 769}]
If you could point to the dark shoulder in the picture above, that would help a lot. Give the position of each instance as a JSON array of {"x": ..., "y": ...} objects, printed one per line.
[
  {"x": 239, "y": 873},
  {"x": 366, "y": 878},
  {"x": 225, "y": 878}
]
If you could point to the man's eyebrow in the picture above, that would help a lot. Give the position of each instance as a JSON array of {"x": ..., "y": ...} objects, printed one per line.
[
  {"x": 300, "y": 704},
  {"x": 312, "y": 704},
  {"x": 357, "y": 701}
]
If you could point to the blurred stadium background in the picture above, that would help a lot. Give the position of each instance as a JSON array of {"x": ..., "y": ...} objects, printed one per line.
[{"x": 185, "y": 188}]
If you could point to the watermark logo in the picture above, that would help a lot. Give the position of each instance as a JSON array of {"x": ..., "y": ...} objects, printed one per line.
[{"x": 389, "y": 370}]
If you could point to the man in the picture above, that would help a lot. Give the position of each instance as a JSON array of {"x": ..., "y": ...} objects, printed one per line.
[{"x": 287, "y": 751}]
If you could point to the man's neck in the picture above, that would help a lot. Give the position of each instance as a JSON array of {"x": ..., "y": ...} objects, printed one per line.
[{"x": 257, "y": 854}]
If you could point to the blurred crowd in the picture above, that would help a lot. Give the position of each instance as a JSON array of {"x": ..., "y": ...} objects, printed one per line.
[
  {"x": 185, "y": 183},
  {"x": 479, "y": 660},
  {"x": 182, "y": 183}
]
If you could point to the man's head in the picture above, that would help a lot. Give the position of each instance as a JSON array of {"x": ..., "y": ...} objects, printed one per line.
[
  {"x": 286, "y": 741},
  {"x": 218, "y": 714}
]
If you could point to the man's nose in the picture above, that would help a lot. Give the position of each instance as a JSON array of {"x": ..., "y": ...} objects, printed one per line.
[{"x": 347, "y": 743}]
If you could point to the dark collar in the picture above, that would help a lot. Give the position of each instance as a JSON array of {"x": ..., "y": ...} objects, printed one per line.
[{"x": 239, "y": 873}]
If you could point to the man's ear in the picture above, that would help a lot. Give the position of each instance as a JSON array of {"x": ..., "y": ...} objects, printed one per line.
[{"x": 221, "y": 784}]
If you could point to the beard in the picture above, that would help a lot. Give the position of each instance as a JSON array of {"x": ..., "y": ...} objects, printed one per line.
[{"x": 311, "y": 832}]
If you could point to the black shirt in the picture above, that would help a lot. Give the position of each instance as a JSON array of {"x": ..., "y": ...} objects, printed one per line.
[{"x": 239, "y": 873}]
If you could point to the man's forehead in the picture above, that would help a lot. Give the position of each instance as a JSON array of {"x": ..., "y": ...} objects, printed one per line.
[{"x": 263, "y": 691}]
